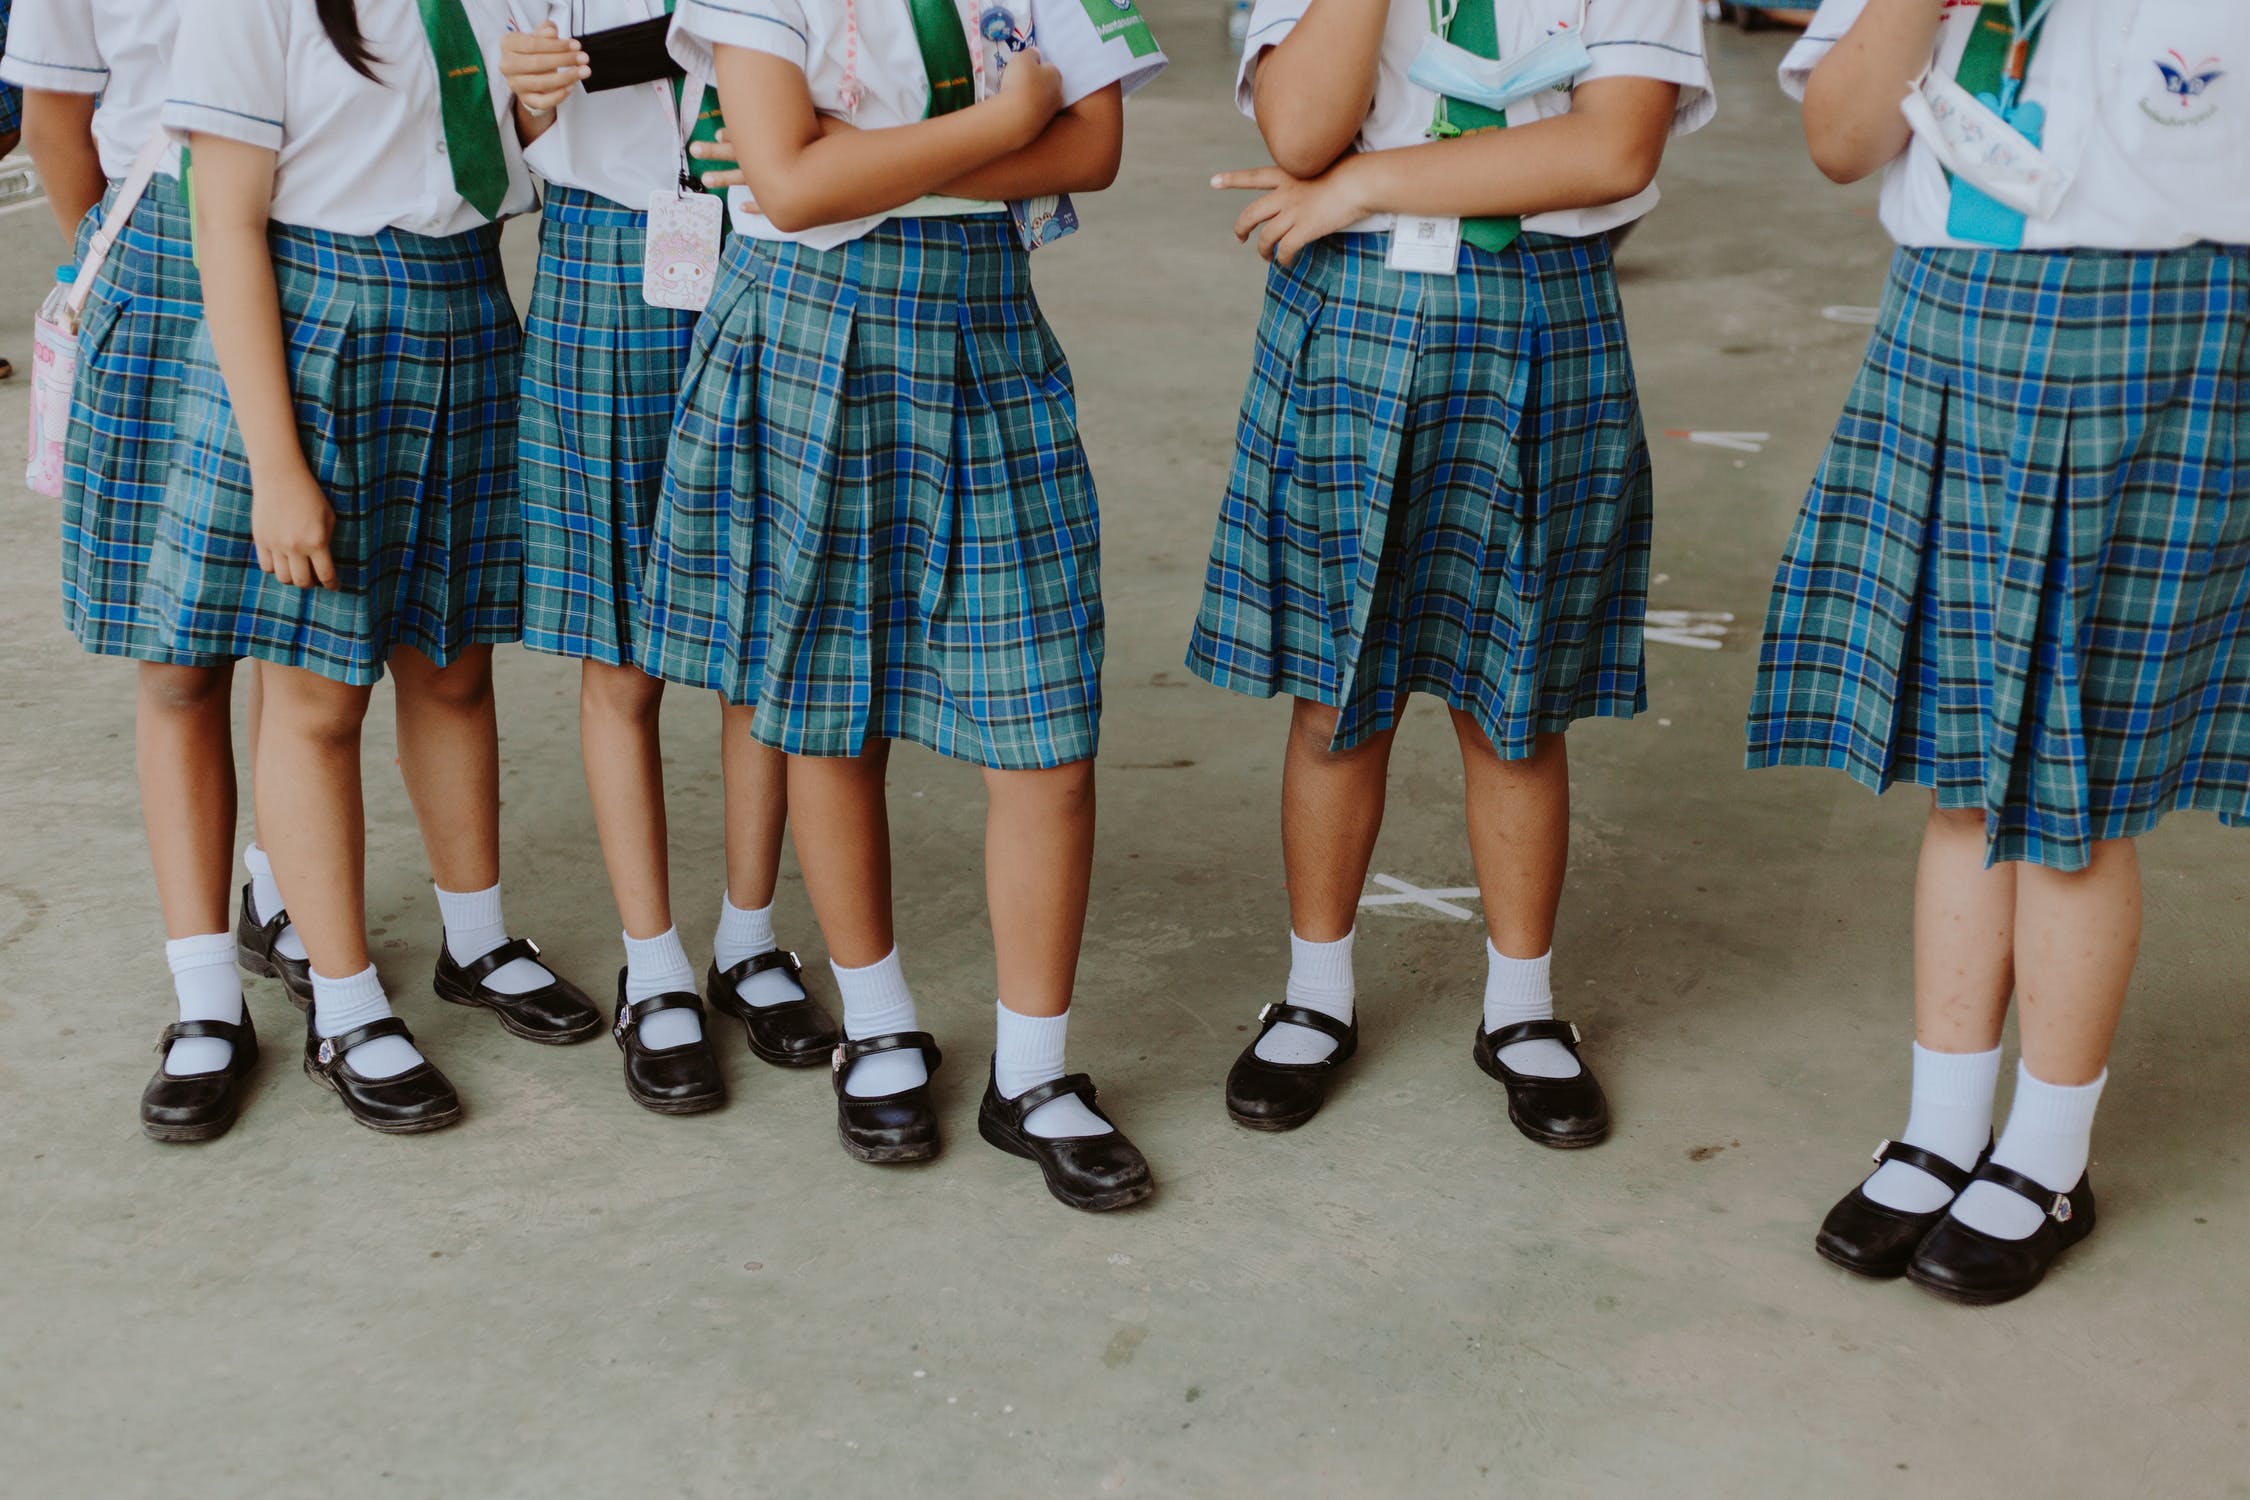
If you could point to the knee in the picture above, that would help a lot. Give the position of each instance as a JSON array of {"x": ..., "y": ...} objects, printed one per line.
[
  {"x": 185, "y": 690},
  {"x": 1957, "y": 822},
  {"x": 620, "y": 693},
  {"x": 1312, "y": 726},
  {"x": 312, "y": 710},
  {"x": 462, "y": 687}
]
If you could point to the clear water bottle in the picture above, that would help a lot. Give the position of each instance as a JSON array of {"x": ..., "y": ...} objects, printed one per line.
[
  {"x": 1238, "y": 23},
  {"x": 55, "y": 308}
]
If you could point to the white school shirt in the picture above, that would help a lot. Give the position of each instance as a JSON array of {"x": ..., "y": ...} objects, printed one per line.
[
  {"x": 1089, "y": 41},
  {"x": 1660, "y": 39},
  {"x": 357, "y": 156},
  {"x": 623, "y": 144},
  {"x": 117, "y": 49},
  {"x": 2149, "y": 100}
]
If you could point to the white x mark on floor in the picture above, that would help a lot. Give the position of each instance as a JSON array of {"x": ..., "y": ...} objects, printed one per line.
[
  {"x": 1439, "y": 899},
  {"x": 1698, "y": 629}
]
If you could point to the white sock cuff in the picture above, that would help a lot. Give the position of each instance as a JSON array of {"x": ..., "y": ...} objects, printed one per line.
[
  {"x": 1029, "y": 1042},
  {"x": 1518, "y": 983},
  {"x": 876, "y": 999},
  {"x": 1955, "y": 1080},
  {"x": 205, "y": 951},
  {"x": 254, "y": 860},
  {"x": 662, "y": 954},
  {"x": 750, "y": 927},
  {"x": 339, "y": 1005},
  {"x": 469, "y": 909},
  {"x": 1323, "y": 967},
  {"x": 2054, "y": 1108}
]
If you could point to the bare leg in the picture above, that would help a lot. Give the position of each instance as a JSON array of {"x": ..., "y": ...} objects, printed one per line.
[
  {"x": 1519, "y": 836},
  {"x": 617, "y": 734},
  {"x": 183, "y": 740},
  {"x": 308, "y": 794},
  {"x": 1331, "y": 812},
  {"x": 843, "y": 830},
  {"x": 1038, "y": 867},
  {"x": 449, "y": 755},
  {"x": 757, "y": 793}
]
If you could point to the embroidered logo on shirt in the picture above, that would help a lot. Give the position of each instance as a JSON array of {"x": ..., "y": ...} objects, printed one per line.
[{"x": 2184, "y": 100}]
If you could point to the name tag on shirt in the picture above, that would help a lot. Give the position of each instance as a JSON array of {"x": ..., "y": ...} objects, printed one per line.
[
  {"x": 680, "y": 259},
  {"x": 1425, "y": 243}
]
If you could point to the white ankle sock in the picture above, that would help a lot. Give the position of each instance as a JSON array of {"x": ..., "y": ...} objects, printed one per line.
[
  {"x": 1028, "y": 1051},
  {"x": 1517, "y": 989},
  {"x": 341, "y": 1005},
  {"x": 474, "y": 927},
  {"x": 877, "y": 1003},
  {"x": 265, "y": 900},
  {"x": 1951, "y": 1115},
  {"x": 659, "y": 966},
  {"x": 2049, "y": 1137},
  {"x": 1320, "y": 978},
  {"x": 208, "y": 989},
  {"x": 746, "y": 934}
]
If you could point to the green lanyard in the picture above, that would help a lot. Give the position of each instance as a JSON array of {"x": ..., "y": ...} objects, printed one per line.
[{"x": 1480, "y": 34}]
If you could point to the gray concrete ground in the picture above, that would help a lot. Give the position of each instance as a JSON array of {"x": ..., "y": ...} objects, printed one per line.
[{"x": 570, "y": 1296}]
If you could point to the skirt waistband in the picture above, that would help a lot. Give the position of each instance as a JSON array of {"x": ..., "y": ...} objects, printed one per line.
[
  {"x": 391, "y": 255},
  {"x": 570, "y": 205}
]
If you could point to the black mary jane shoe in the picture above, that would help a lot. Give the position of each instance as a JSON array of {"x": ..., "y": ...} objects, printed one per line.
[
  {"x": 199, "y": 1106},
  {"x": 256, "y": 951},
  {"x": 409, "y": 1103},
  {"x": 887, "y": 1128},
  {"x": 1095, "y": 1173},
  {"x": 555, "y": 1014},
  {"x": 791, "y": 1034},
  {"x": 1967, "y": 1265},
  {"x": 682, "y": 1080},
  {"x": 1565, "y": 1113},
  {"x": 1874, "y": 1239},
  {"x": 1265, "y": 1095}
]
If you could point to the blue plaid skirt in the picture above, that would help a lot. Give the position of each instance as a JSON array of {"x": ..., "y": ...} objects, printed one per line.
[
  {"x": 2022, "y": 576},
  {"x": 1440, "y": 486},
  {"x": 134, "y": 335},
  {"x": 877, "y": 518},
  {"x": 403, "y": 355},
  {"x": 11, "y": 97},
  {"x": 601, "y": 377}
]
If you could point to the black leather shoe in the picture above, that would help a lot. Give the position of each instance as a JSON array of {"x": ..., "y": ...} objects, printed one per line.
[
  {"x": 792, "y": 1034},
  {"x": 887, "y": 1128},
  {"x": 556, "y": 1013},
  {"x": 414, "y": 1101},
  {"x": 1962, "y": 1264},
  {"x": 683, "y": 1080},
  {"x": 1875, "y": 1239},
  {"x": 198, "y": 1106},
  {"x": 1265, "y": 1095},
  {"x": 254, "y": 950},
  {"x": 1565, "y": 1113},
  {"x": 1091, "y": 1172}
]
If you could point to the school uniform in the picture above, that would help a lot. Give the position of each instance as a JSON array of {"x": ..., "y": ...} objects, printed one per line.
[
  {"x": 601, "y": 365},
  {"x": 1440, "y": 481},
  {"x": 2020, "y": 576},
  {"x": 11, "y": 95},
  {"x": 138, "y": 322},
  {"x": 877, "y": 520},
  {"x": 403, "y": 347}
]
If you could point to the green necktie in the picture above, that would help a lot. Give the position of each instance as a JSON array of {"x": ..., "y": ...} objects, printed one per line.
[
  {"x": 945, "y": 56},
  {"x": 1476, "y": 29},
  {"x": 472, "y": 127}
]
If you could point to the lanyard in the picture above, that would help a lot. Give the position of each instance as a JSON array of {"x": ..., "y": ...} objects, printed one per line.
[
  {"x": 2021, "y": 34},
  {"x": 1441, "y": 27}
]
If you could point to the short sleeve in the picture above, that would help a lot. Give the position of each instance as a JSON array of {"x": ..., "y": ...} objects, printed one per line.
[
  {"x": 1659, "y": 39},
  {"x": 52, "y": 46},
  {"x": 230, "y": 71},
  {"x": 1825, "y": 31},
  {"x": 777, "y": 27},
  {"x": 1271, "y": 21},
  {"x": 1095, "y": 43}
]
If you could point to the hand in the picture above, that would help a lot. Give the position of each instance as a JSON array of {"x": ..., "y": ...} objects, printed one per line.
[
  {"x": 542, "y": 67},
  {"x": 720, "y": 149},
  {"x": 1032, "y": 88},
  {"x": 1290, "y": 213},
  {"x": 290, "y": 523}
]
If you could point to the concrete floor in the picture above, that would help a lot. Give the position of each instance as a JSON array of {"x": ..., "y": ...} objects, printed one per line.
[{"x": 568, "y": 1295}]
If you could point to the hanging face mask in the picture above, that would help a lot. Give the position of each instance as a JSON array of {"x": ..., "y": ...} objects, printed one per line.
[
  {"x": 1453, "y": 73},
  {"x": 1979, "y": 147}
]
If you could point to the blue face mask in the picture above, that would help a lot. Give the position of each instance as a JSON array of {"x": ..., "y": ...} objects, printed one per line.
[{"x": 1452, "y": 73}]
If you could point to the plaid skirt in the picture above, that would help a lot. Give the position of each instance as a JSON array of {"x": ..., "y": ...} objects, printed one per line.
[
  {"x": 139, "y": 322},
  {"x": 403, "y": 355},
  {"x": 877, "y": 518},
  {"x": 1441, "y": 486},
  {"x": 11, "y": 97},
  {"x": 601, "y": 377},
  {"x": 2021, "y": 577}
]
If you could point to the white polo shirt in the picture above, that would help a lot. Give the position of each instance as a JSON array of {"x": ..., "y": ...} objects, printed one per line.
[
  {"x": 118, "y": 49},
  {"x": 2148, "y": 101},
  {"x": 1094, "y": 43},
  {"x": 623, "y": 144},
  {"x": 1660, "y": 39},
  {"x": 356, "y": 156}
]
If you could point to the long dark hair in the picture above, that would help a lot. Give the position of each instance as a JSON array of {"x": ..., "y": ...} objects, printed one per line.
[{"x": 340, "y": 19}]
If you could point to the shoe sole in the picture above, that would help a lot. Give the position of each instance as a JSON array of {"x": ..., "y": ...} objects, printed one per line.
[
  {"x": 509, "y": 1024},
  {"x": 886, "y": 1156},
  {"x": 1552, "y": 1141},
  {"x": 1869, "y": 1273},
  {"x": 1962, "y": 1298},
  {"x": 180, "y": 1135},
  {"x": 1093, "y": 1203},
  {"x": 777, "y": 1059},
  {"x": 263, "y": 968},
  {"x": 1271, "y": 1125},
  {"x": 412, "y": 1127},
  {"x": 701, "y": 1106}
]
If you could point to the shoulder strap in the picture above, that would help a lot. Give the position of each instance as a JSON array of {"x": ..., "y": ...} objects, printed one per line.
[{"x": 113, "y": 223}]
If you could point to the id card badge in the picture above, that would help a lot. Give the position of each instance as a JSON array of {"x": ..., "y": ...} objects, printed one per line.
[
  {"x": 1426, "y": 243},
  {"x": 1042, "y": 221},
  {"x": 680, "y": 259}
]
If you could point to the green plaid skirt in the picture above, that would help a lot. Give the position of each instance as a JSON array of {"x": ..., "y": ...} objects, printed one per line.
[
  {"x": 1440, "y": 486},
  {"x": 403, "y": 355},
  {"x": 877, "y": 520},
  {"x": 2022, "y": 577}
]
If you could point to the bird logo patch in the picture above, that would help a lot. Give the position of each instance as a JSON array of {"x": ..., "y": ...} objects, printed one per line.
[{"x": 2186, "y": 97}]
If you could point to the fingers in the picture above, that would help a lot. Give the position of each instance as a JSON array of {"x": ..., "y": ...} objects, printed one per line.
[
  {"x": 323, "y": 568},
  {"x": 265, "y": 558},
  {"x": 1261, "y": 209},
  {"x": 727, "y": 177},
  {"x": 1256, "y": 179}
]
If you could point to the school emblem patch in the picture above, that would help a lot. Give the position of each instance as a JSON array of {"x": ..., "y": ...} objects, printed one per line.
[{"x": 2185, "y": 98}]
